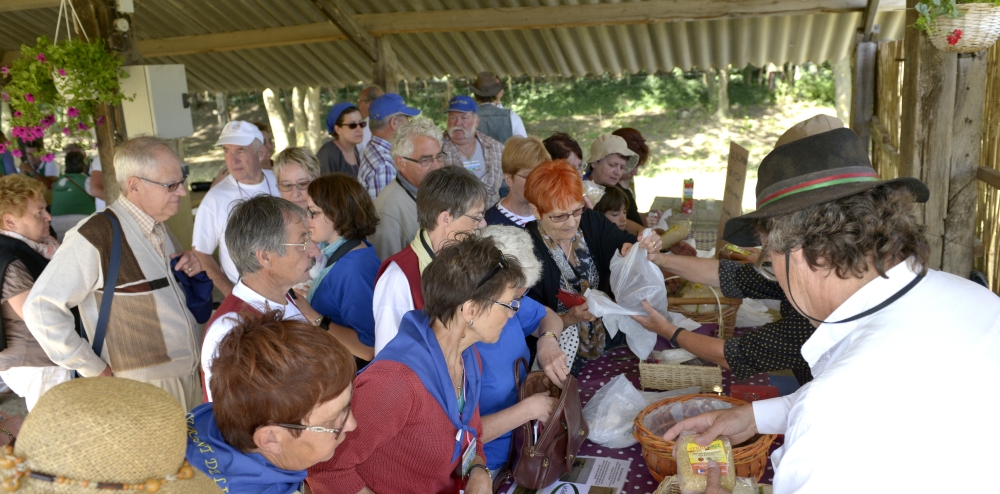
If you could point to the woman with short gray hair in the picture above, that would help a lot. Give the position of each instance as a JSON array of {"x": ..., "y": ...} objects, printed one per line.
[{"x": 498, "y": 404}]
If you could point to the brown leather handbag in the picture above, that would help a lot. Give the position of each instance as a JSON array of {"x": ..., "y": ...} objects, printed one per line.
[{"x": 535, "y": 465}]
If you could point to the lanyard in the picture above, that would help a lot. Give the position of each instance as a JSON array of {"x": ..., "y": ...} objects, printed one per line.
[
  {"x": 430, "y": 251},
  {"x": 400, "y": 182}
]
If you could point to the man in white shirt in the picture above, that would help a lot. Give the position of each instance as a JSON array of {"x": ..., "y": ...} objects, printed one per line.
[
  {"x": 368, "y": 94},
  {"x": 244, "y": 149},
  {"x": 851, "y": 257},
  {"x": 270, "y": 243}
]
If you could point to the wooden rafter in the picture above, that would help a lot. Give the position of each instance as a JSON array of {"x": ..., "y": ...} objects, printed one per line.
[
  {"x": 376, "y": 25},
  {"x": 339, "y": 15}
]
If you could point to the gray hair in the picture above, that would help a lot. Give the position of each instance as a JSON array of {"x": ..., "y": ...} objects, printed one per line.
[
  {"x": 450, "y": 188},
  {"x": 137, "y": 155},
  {"x": 377, "y": 124},
  {"x": 300, "y": 155},
  {"x": 259, "y": 224},
  {"x": 516, "y": 242},
  {"x": 402, "y": 142}
]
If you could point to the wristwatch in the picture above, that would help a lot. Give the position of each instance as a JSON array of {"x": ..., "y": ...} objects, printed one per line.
[
  {"x": 318, "y": 320},
  {"x": 673, "y": 339},
  {"x": 478, "y": 465}
]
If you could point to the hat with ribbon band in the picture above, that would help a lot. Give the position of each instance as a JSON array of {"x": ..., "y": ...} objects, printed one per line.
[{"x": 812, "y": 170}]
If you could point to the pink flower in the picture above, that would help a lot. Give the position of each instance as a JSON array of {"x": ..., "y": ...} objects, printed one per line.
[
  {"x": 65, "y": 131},
  {"x": 40, "y": 57},
  {"x": 72, "y": 112},
  {"x": 17, "y": 132},
  {"x": 38, "y": 132},
  {"x": 5, "y": 70},
  {"x": 17, "y": 113},
  {"x": 62, "y": 72},
  {"x": 47, "y": 121},
  {"x": 16, "y": 153},
  {"x": 3, "y": 148},
  {"x": 81, "y": 126},
  {"x": 5, "y": 96},
  {"x": 48, "y": 157},
  {"x": 30, "y": 98},
  {"x": 100, "y": 120}
]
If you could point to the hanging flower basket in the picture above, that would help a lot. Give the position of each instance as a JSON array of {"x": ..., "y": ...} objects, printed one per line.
[{"x": 960, "y": 28}]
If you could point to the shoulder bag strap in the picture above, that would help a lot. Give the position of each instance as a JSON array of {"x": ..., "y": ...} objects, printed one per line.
[
  {"x": 342, "y": 251},
  {"x": 110, "y": 281}
]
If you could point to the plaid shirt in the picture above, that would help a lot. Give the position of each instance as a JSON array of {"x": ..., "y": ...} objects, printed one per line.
[
  {"x": 377, "y": 167},
  {"x": 492, "y": 149},
  {"x": 154, "y": 231}
]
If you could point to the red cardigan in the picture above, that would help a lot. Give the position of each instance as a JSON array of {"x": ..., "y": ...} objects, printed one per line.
[{"x": 404, "y": 441}]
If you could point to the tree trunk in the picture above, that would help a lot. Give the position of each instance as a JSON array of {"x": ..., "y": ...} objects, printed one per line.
[
  {"x": 316, "y": 123},
  {"x": 299, "y": 113},
  {"x": 221, "y": 108},
  {"x": 723, "y": 93},
  {"x": 843, "y": 83},
  {"x": 713, "y": 97},
  {"x": 278, "y": 118}
]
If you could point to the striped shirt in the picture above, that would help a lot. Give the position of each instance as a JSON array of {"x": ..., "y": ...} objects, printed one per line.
[
  {"x": 377, "y": 167},
  {"x": 153, "y": 231}
]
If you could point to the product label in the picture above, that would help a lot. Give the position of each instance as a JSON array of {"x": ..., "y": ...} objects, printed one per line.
[{"x": 700, "y": 457}]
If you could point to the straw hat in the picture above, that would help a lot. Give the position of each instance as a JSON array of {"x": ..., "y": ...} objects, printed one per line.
[
  {"x": 103, "y": 430},
  {"x": 810, "y": 127}
]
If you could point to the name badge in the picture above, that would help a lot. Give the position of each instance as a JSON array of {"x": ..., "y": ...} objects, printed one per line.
[
  {"x": 468, "y": 456},
  {"x": 473, "y": 166}
]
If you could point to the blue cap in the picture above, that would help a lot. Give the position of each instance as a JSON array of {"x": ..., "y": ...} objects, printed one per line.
[
  {"x": 390, "y": 104},
  {"x": 335, "y": 112},
  {"x": 463, "y": 104}
]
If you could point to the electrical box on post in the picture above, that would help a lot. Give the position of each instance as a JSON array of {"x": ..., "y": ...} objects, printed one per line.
[{"x": 160, "y": 101}]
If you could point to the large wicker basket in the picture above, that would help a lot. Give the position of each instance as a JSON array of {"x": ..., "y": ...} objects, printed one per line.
[
  {"x": 729, "y": 308},
  {"x": 671, "y": 485},
  {"x": 980, "y": 28},
  {"x": 751, "y": 460}
]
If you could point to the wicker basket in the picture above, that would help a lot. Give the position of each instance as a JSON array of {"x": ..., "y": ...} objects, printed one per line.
[
  {"x": 671, "y": 485},
  {"x": 751, "y": 460},
  {"x": 980, "y": 27},
  {"x": 729, "y": 308},
  {"x": 668, "y": 377}
]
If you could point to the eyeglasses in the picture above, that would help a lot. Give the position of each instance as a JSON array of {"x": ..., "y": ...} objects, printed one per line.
[
  {"x": 763, "y": 265},
  {"x": 559, "y": 218},
  {"x": 171, "y": 187},
  {"x": 354, "y": 125},
  {"x": 316, "y": 428},
  {"x": 426, "y": 161},
  {"x": 303, "y": 245},
  {"x": 502, "y": 264},
  {"x": 513, "y": 306},
  {"x": 301, "y": 185},
  {"x": 477, "y": 219}
]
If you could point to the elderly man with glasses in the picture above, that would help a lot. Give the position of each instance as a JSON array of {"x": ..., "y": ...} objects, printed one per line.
[
  {"x": 269, "y": 240},
  {"x": 416, "y": 151},
  {"x": 150, "y": 330},
  {"x": 387, "y": 114}
]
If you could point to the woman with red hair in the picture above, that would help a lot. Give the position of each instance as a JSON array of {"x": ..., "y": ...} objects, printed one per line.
[{"x": 575, "y": 245}]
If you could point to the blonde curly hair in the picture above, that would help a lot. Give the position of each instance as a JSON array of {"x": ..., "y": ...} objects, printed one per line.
[{"x": 15, "y": 191}]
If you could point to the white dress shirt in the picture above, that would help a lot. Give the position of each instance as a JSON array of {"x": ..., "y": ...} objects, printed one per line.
[
  {"x": 221, "y": 326},
  {"x": 391, "y": 301},
  {"x": 899, "y": 397}
]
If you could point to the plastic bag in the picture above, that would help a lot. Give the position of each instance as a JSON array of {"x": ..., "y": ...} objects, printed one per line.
[
  {"x": 655, "y": 396},
  {"x": 660, "y": 420},
  {"x": 692, "y": 463},
  {"x": 752, "y": 313},
  {"x": 745, "y": 485},
  {"x": 593, "y": 191},
  {"x": 610, "y": 414},
  {"x": 634, "y": 279}
]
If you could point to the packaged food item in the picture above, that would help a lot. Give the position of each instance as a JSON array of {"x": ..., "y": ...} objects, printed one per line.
[
  {"x": 687, "y": 204},
  {"x": 676, "y": 233},
  {"x": 745, "y": 485},
  {"x": 593, "y": 191},
  {"x": 692, "y": 463},
  {"x": 697, "y": 290}
]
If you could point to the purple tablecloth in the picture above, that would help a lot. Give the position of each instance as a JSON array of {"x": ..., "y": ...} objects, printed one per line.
[{"x": 598, "y": 372}]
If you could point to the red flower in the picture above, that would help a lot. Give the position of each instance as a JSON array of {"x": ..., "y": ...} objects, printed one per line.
[{"x": 955, "y": 37}]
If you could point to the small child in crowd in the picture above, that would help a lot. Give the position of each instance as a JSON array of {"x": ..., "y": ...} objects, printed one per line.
[{"x": 613, "y": 206}]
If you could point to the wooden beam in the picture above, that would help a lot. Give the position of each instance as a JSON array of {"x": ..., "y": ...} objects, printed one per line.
[
  {"x": 863, "y": 90},
  {"x": 963, "y": 189},
  {"x": 339, "y": 15},
  {"x": 377, "y": 25},
  {"x": 15, "y": 5},
  {"x": 868, "y": 20},
  {"x": 990, "y": 176},
  {"x": 386, "y": 68}
]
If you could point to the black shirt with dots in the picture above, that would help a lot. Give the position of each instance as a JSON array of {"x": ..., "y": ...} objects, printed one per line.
[{"x": 773, "y": 346}]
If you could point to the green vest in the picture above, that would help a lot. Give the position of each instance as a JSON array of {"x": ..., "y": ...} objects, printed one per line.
[{"x": 70, "y": 197}]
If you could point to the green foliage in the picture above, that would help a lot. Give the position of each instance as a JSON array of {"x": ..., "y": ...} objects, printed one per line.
[
  {"x": 59, "y": 86},
  {"x": 816, "y": 83}
]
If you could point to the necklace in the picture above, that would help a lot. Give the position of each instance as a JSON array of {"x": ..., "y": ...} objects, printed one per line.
[{"x": 240, "y": 188}]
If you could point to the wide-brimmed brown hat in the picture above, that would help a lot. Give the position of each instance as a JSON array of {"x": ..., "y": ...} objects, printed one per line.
[
  {"x": 606, "y": 144},
  {"x": 487, "y": 84},
  {"x": 108, "y": 430},
  {"x": 812, "y": 170}
]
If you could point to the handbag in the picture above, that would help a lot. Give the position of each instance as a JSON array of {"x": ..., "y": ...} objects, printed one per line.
[{"x": 538, "y": 462}]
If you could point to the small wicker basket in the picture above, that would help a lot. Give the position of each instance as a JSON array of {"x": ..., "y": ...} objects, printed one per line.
[
  {"x": 980, "y": 28},
  {"x": 751, "y": 460},
  {"x": 669, "y": 377},
  {"x": 729, "y": 307},
  {"x": 671, "y": 485}
]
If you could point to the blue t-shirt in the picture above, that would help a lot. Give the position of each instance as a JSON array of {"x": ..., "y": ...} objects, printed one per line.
[
  {"x": 498, "y": 387},
  {"x": 345, "y": 294}
]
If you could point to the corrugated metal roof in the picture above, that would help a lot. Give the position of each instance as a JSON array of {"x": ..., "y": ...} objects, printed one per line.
[{"x": 558, "y": 51}]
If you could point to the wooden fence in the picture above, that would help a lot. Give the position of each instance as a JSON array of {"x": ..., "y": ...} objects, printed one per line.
[
  {"x": 988, "y": 212},
  {"x": 885, "y": 133}
]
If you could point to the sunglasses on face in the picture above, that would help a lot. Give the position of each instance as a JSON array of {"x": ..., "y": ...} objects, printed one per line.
[{"x": 354, "y": 125}]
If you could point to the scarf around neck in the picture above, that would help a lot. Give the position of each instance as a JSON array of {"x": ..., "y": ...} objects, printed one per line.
[
  {"x": 46, "y": 248},
  {"x": 416, "y": 347},
  {"x": 578, "y": 274},
  {"x": 327, "y": 251},
  {"x": 232, "y": 470},
  {"x": 424, "y": 257}
]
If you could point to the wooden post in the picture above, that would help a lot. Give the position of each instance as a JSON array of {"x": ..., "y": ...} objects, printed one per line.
[
  {"x": 960, "y": 222},
  {"x": 299, "y": 116},
  {"x": 842, "y": 86},
  {"x": 222, "y": 108},
  {"x": 926, "y": 133},
  {"x": 316, "y": 122},
  {"x": 278, "y": 118},
  {"x": 722, "y": 111},
  {"x": 386, "y": 70},
  {"x": 863, "y": 92}
]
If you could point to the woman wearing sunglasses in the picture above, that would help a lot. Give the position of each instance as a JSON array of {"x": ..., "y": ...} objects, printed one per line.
[
  {"x": 575, "y": 245},
  {"x": 418, "y": 401},
  {"x": 282, "y": 403},
  {"x": 347, "y": 129}
]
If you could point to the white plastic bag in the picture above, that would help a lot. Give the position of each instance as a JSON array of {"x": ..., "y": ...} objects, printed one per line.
[
  {"x": 610, "y": 414},
  {"x": 634, "y": 279}
]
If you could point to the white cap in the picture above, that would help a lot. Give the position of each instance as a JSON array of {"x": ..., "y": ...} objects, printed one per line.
[{"x": 239, "y": 133}]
